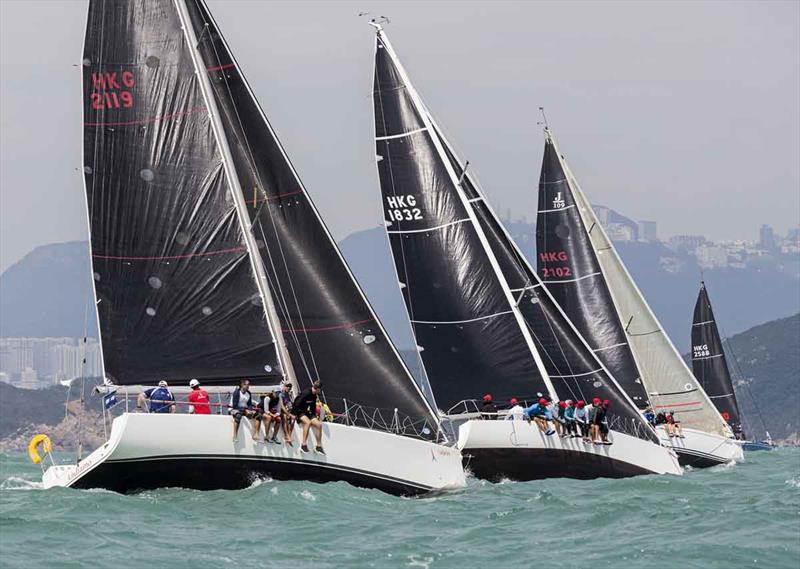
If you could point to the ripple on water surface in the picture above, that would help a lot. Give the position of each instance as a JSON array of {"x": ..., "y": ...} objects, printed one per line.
[{"x": 691, "y": 521}]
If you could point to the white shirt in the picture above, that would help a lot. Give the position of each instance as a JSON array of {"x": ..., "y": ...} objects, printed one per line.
[{"x": 516, "y": 413}]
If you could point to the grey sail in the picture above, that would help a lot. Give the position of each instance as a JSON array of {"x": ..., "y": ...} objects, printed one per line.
[{"x": 670, "y": 384}]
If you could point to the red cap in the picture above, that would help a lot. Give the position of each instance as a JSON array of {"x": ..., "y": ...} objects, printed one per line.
[
  {"x": 513, "y": 401},
  {"x": 487, "y": 397},
  {"x": 606, "y": 402},
  {"x": 562, "y": 404},
  {"x": 596, "y": 401},
  {"x": 542, "y": 401},
  {"x": 581, "y": 403}
]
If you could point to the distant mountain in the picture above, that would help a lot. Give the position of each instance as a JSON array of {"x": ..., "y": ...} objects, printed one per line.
[
  {"x": 47, "y": 292},
  {"x": 765, "y": 362}
]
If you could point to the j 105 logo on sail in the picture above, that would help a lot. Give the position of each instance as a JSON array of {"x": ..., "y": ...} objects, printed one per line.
[
  {"x": 701, "y": 351},
  {"x": 110, "y": 90},
  {"x": 402, "y": 208},
  {"x": 558, "y": 201}
]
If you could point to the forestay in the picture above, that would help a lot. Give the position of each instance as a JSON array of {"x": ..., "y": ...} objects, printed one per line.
[
  {"x": 331, "y": 331},
  {"x": 669, "y": 382}
]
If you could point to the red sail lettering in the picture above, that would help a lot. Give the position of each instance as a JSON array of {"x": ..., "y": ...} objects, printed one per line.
[{"x": 128, "y": 79}]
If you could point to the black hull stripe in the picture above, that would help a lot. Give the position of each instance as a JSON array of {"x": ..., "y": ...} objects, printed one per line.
[
  {"x": 524, "y": 464},
  {"x": 211, "y": 472},
  {"x": 697, "y": 459}
]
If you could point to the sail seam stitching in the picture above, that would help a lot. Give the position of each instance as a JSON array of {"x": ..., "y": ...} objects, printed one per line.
[
  {"x": 402, "y": 135},
  {"x": 461, "y": 321},
  {"x": 428, "y": 228}
]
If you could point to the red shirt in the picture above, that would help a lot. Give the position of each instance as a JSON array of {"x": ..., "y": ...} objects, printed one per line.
[{"x": 199, "y": 398}]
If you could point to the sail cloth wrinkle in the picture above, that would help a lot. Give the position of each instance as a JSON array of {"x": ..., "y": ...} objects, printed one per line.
[
  {"x": 568, "y": 265},
  {"x": 331, "y": 331},
  {"x": 573, "y": 369},
  {"x": 669, "y": 383},
  {"x": 708, "y": 361},
  {"x": 176, "y": 294}
]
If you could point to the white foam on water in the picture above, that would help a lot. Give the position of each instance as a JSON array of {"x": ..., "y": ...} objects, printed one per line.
[
  {"x": 417, "y": 561},
  {"x": 258, "y": 482},
  {"x": 793, "y": 482},
  {"x": 17, "y": 483},
  {"x": 722, "y": 467},
  {"x": 306, "y": 495},
  {"x": 274, "y": 490}
]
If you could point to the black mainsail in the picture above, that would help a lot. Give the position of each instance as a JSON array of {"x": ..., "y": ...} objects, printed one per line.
[
  {"x": 482, "y": 319},
  {"x": 187, "y": 174},
  {"x": 177, "y": 295},
  {"x": 568, "y": 265},
  {"x": 709, "y": 364}
]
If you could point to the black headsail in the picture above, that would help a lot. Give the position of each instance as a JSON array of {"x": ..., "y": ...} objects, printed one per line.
[
  {"x": 176, "y": 291},
  {"x": 482, "y": 318},
  {"x": 330, "y": 329},
  {"x": 567, "y": 264},
  {"x": 709, "y": 364}
]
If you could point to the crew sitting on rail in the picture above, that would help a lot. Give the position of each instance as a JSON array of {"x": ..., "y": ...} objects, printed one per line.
[
  {"x": 582, "y": 419},
  {"x": 569, "y": 420},
  {"x": 559, "y": 420},
  {"x": 241, "y": 404},
  {"x": 601, "y": 420},
  {"x": 268, "y": 411},
  {"x": 517, "y": 412},
  {"x": 649, "y": 416},
  {"x": 304, "y": 408},
  {"x": 540, "y": 415},
  {"x": 673, "y": 427},
  {"x": 161, "y": 399},
  {"x": 198, "y": 399},
  {"x": 285, "y": 406},
  {"x": 489, "y": 410}
]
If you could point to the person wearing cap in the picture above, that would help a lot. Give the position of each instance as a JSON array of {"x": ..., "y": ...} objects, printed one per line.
[
  {"x": 516, "y": 412},
  {"x": 489, "y": 410},
  {"x": 241, "y": 405},
  {"x": 540, "y": 415},
  {"x": 285, "y": 406},
  {"x": 198, "y": 399},
  {"x": 602, "y": 422},
  {"x": 569, "y": 419},
  {"x": 582, "y": 419},
  {"x": 558, "y": 410},
  {"x": 673, "y": 425},
  {"x": 161, "y": 399},
  {"x": 304, "y": 407},
  {"x": 591, "y": 415}
]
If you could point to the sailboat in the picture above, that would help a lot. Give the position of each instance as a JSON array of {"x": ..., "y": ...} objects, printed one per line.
[
  {"x": 211, "y": 262},
  {"x": 710, "y": 367},
  {"x": 482, "y": 320},
  {"x": 579, "y": 263}
]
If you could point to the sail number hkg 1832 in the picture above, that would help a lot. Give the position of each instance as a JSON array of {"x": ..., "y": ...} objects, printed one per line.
[{"x": 402, "y": 208}]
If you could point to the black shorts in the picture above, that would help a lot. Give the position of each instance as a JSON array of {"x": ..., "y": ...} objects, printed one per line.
[{"x": 304, "y": 414}]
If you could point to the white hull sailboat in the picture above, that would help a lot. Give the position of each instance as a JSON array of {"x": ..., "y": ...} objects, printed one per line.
[
  {"x": 210, "y": 261},
  {"x": 579, "y": 263},
  {"x": 482, "y": 320},
  {"x": 146, "y": 451}
]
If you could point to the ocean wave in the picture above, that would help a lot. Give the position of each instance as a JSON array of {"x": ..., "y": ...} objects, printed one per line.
[
  {"x": 17, "y": 483},
  {"x": 793, "y": 482}
]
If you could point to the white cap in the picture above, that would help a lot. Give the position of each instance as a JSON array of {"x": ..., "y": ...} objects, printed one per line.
[
  {"x": 162, "y": 383},
  {"x": 194, "y": 383}
]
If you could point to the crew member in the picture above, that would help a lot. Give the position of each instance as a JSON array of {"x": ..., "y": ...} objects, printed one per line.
[
  {"x": 241, "y": 405},
  {"x": 517, "y": 412},
  {"x": 198, "y": 399},
  {"x": 540, "y": 415},
  {"x": 161, "y": 399},
  {"x": 489, "y": 410},
  {"x": 304, "y": 408}
]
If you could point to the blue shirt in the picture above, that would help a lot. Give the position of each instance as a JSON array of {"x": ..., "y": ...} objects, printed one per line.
[
  {"x": 537, "y": 410},
  {"x": 155, "y": 394}
]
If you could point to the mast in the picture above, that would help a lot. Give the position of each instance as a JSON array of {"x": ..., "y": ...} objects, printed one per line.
[
  {"x": 236, "y": 193},
  {"x": 456, "y": 181}
]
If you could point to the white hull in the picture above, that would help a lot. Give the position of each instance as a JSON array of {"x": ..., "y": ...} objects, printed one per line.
[
  {"x": 196, "y": 451},
  {"x": 518, "y": 450},
  {"x": 700, "y": 449}
]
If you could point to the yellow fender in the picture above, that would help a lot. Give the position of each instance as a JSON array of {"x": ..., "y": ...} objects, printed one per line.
[{"x": 33, "y": 447}]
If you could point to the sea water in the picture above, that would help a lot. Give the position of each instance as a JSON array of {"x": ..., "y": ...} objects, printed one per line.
[{"x": 729, "y": 516}]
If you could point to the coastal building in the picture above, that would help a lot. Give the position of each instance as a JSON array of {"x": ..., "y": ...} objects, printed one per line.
[{"x": 648, "y": 231}]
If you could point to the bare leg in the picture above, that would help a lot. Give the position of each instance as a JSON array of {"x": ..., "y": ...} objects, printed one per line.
[
  {"x": 306, "y": 427},
  {"x": 235, "y": 428},
  {"x": 317, "y": 424},
  {"x": 256, "y": 427}
]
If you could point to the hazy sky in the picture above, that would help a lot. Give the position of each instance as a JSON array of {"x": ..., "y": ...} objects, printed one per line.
[{"x": 686, "y": 113}]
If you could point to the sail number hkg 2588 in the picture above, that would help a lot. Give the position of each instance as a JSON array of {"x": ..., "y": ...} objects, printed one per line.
[{"x": 402, "y": 208}]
